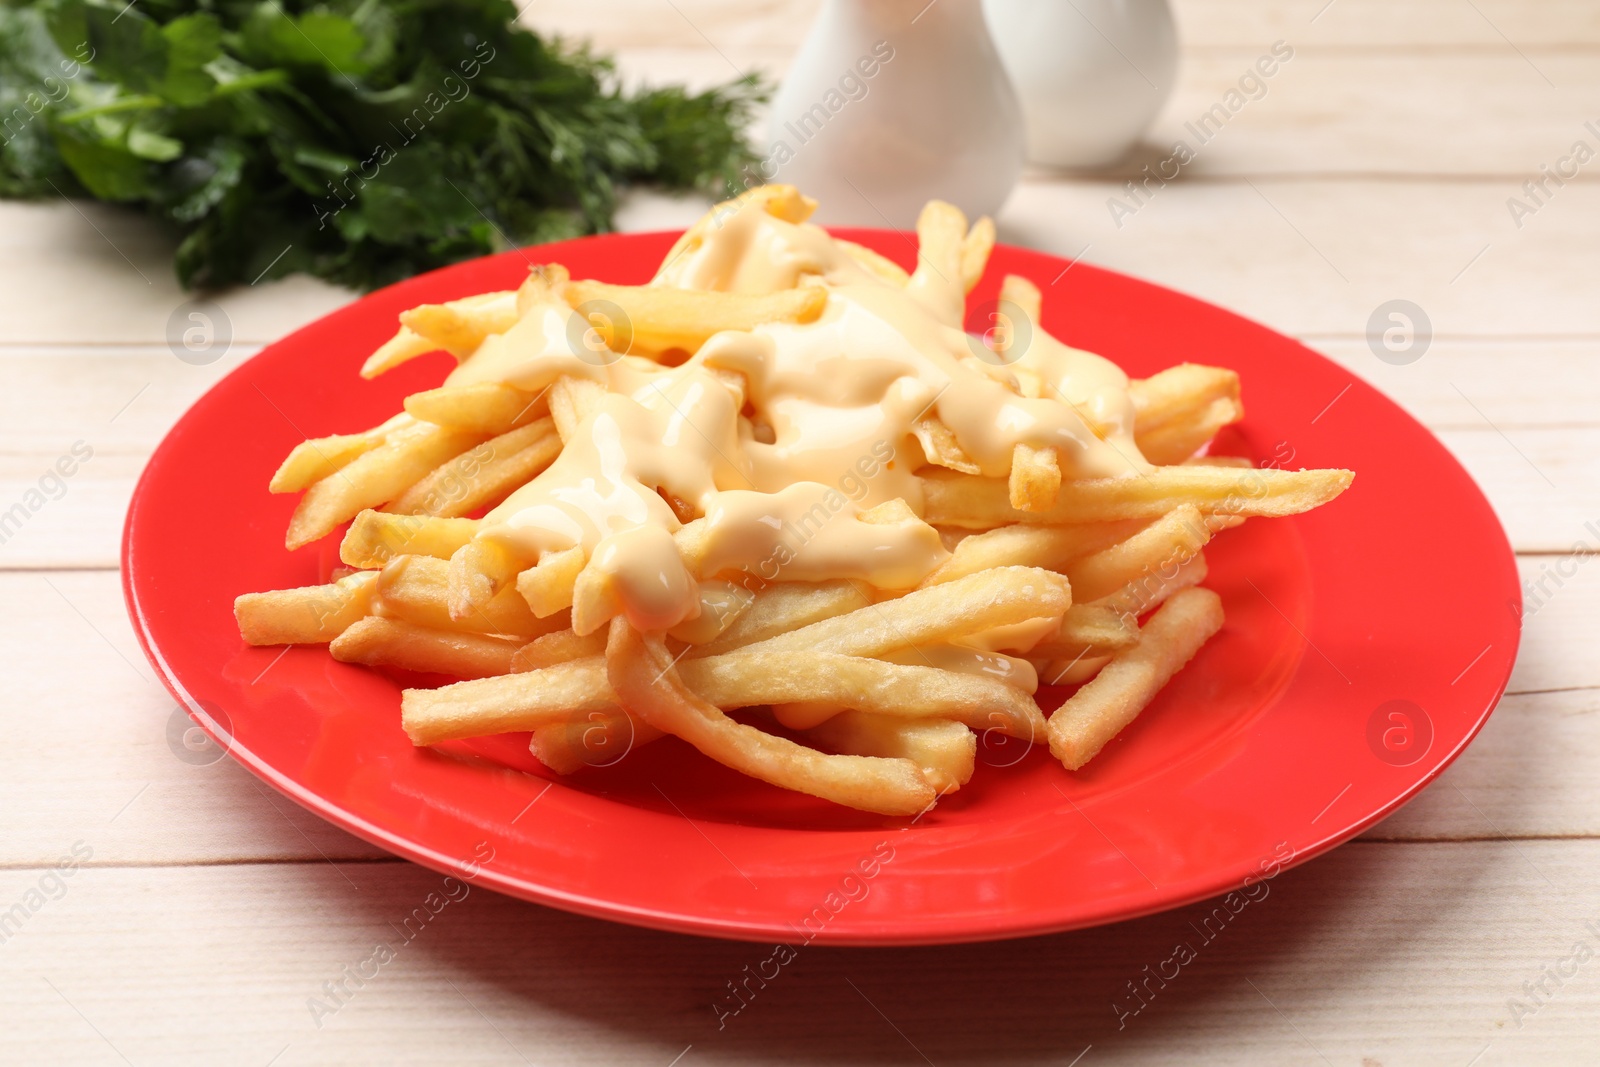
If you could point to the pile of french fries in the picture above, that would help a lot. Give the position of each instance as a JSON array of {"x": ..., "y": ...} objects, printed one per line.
[{"x": 870, "y": 697}]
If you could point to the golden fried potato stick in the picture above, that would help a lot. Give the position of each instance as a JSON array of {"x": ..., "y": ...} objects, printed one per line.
[
  {"x": 1100, "y": 710},
  {"x": 933, "y": 615},
  {"x": 1178, "y": 392},
  {"x": 1162, "y": 546},
  {"x": 561, "y": 646},
  {"x": 1088, "y": 630},
  {"x": 936, "y": 283},
  {"x": 881, "y": 267},
  {"x": 507, "y": 702},
  {"x": 1179, "y": 438},
  {"x": 945, "y": 751},
  {"x": 1074, "y": 671},
  {"x": 657, "y": 319},
  {"x": 571, "y": 401},
  {"x": 1050, "y": 547},
  {"x": 543, "y": 285},
  {"x": 1035, "y": 479},
  {"x": 416, "y": 589},
  {"x": 721, "y": 604},
  {"x": 376, "y": 537},
  {"x": 646, "y": 680},
  {"x": 778, "y": 200},
  {"x": 483, "y": 407},
  {"x": 315, "y": 459},
  {"x": 599, "y": 739},
  {"x": 374, "y": 478},
  {"x": 981, "y": 503},
  {"x": 940, "y": 447},
  {"x": 381, "y": 642},
  {"x": 547, "y": 586},
  {"x": 479, "y": 570},
  {"x": 458, "y": 327},
  {"x": 313, "y": 615},
  {"x": 783, "y": 606},
  {"x": 1153, "y": 588},
  {"x": 483, "y": 475},
  {"x": 1023, "y": 296},
  {"x": 747, "y": 679},
  {"x": 976, "y": 247}
]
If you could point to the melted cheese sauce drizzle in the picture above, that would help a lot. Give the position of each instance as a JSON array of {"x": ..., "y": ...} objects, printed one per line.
[{"x": 782, "y": 468}]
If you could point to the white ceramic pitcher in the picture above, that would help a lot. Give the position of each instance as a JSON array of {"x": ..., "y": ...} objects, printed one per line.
[
  {"x": 1091, "y": 74},
  {"x": 893, "y": 102}
]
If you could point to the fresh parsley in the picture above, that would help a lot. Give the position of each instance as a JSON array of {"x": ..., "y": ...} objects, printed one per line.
[{"x": 358, "y": 141}]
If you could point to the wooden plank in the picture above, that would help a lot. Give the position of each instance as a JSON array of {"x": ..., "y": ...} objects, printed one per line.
[
  {"x": 228, "y": 964},
  {"x": 1458, "y": 383},
  {"x": 1518, "y": 779},
  {"x": 1320, "y": 256},
  {"x": 1341, "y": 113},
  {"x": 97, "y": 761},
  {"x": 1416, "y": 25},
  {"x": 745, "y": 28},
  {"x": 87, "y": 743}
]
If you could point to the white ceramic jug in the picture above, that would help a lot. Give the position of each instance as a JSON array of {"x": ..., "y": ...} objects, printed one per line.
[
  {"x": 893, "y": 102},
  {"x": 1091, "y": 74}
]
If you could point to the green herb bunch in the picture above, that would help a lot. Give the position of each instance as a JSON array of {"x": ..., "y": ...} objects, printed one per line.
[{"x": 358, "y": 141}]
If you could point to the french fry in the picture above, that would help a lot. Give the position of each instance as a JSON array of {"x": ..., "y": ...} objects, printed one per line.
[
  {"x": 507, "y": 702},
  {"x": 1177, "y": 392},
  {"x": 460, "y": 326},
  {"x": 945, "y": 751},
  {"x": 937, "y": 281},
  {"x": 643, "y": 675},
  {"x": 721, "y": 604},
  {"x": 416, "y": 589},
  {"x": 881, "y": 267},
  {"x": 1088, "y": 630},
  {"x": 313, "y": 460},
  {"x": 560, "y": 646},
  {"x": 1164, "y": 544},
  {"x": 376, "y": 537},
  {"x": 483, "y": 475},
  {"x": 373, "y": 478},
  {"x": 745, "y": 679},
  {"x": 599, "y": 739},
  {"x": 975, "y": 249},
  {"x": 785, "y": 606},
  {"x": 571, "y": 401},
  {"x": 547, "y": 585},
  {"x": 313, "y": 615},
  {"x": 543, "y": 285},
  {"x": 1179, "y": 438},
  {"x": 662, "y": 319},
  {"x": 1074, "y": 671},
  {"x": 405, "y": 346},
  {"x": 483, "y": 407},
  {"x": 479, "y": 570},
  {"x": 932, "y": 616},
  {"x": 1099, "y": 711},
  {"x": 1035, "y": 479},
  {"x": 1050, "y": 547},
  {"x": 1022, "y": 295},
  {"x": 940, "y": 447},
  {"x": 381, "y": 642},
  {"x": 1153, "y": 588},
  {"x": 981, "y": 503}
]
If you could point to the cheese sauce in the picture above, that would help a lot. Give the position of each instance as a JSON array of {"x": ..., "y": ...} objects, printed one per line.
[{"x": 822, "y": 429}]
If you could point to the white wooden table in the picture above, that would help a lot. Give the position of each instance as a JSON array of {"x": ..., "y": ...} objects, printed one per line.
[{"x": 1378, "y": 166}]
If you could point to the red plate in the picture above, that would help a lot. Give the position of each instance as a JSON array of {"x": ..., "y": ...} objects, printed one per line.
[{"x": 1365, "y": 645}]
